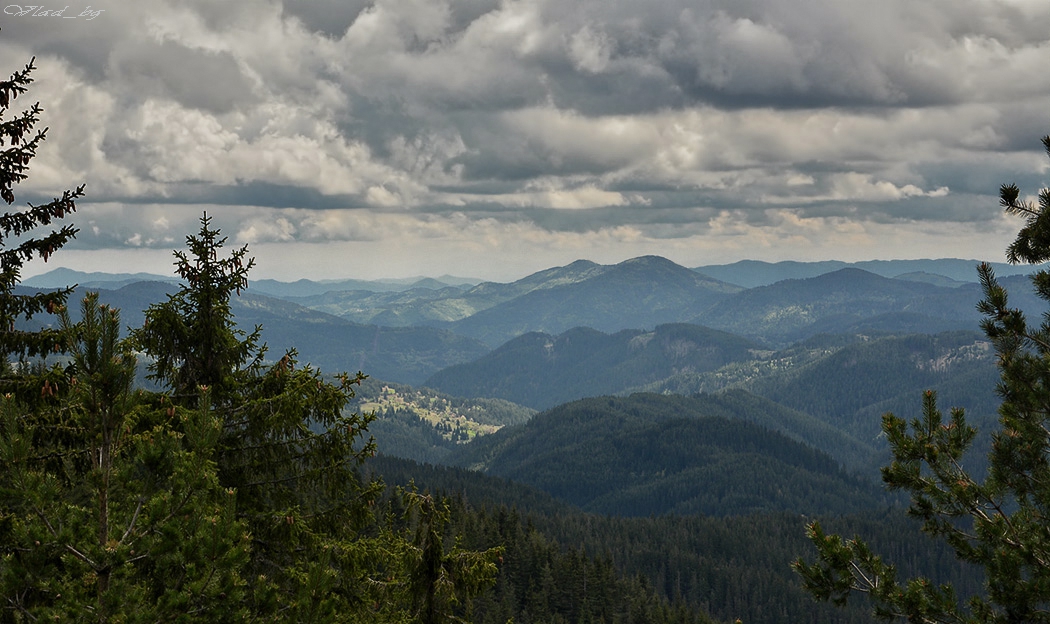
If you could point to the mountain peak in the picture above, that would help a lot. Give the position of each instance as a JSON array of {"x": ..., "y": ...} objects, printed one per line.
[{"x": 653, "y": 261}]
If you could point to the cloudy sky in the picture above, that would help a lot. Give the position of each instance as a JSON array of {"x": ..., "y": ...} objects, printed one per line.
[{"x": 487, "y": 138}]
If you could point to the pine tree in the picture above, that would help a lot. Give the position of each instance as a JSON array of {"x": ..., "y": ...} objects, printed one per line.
[
  {"x": 287, "y": 447},
  {"x": 110, "y": 508},
  {"x": 436, "y": 582},
  {"x": 17, "y": 134},
  {"x": 1001, "y": 523}
]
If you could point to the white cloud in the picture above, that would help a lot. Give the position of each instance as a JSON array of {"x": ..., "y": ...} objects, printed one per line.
[{"x": 629, "y": 123}]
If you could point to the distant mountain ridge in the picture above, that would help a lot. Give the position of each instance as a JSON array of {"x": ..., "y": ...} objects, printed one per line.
[
  {"x": 398, "y": 354},
  {"x": 541, "y": 370},
  {"x": 838, "y": 302},
  {"x": 744, "y": 273},
  {"x": 641, "y": 292},
  {"x": 639, "y": 295},
  {"x": 752, "y": 273},
  {"x": 63, "y": 277}
]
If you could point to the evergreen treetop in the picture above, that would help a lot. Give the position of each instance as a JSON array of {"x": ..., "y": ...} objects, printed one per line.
[
  {"x": 1001, "y": 523},
  {"x": 18, "y": 145}
]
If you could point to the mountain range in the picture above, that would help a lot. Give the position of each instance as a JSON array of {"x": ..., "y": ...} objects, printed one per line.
[
  {"x": 751, "y": 273},
  {"x": 649, "y": 399}
]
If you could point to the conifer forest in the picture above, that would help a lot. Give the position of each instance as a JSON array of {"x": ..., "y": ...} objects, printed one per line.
[{"x": 632, "y": 443}]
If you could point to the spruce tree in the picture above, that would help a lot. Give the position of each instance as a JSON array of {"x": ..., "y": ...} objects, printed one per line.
[
  {"x": 18, "y": 144},
  {"x": 288, "y": 448},
  {"x": 110, "y": 508},
  {"x": 431, "y": 582},
  {"x": 1000, "y": 523}
]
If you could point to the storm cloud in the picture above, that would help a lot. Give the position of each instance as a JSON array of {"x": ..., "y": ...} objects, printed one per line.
[{"x": 532, "y": 132}]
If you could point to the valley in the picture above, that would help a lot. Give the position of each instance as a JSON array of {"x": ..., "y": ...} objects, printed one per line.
[{"x": 676, "y": 426}]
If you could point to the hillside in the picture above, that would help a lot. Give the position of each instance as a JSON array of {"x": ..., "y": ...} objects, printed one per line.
[
  {"x": 731, "y": 567},
  {"x": 400, "y": 354},
  {"x": 641, "y": 292},
  {"x": 429, "y": 306},
  {"x": 423, "y": 425},
  {"x": 638, "y": 293},
  {"x": 655, "y": 454},
  {"x": 540, "y": 370},
  {"x": 838, "y": 302},
  {"x": 854, "y": 301}
]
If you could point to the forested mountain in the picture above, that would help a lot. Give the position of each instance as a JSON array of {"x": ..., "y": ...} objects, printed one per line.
[
  {"x": 829, "y": 391},
  {"x": 848, "y": 383},
  {"x": 642, "y": 292},
  {"x": 759, "y": 436},
  {"x": 425, "y": 425},
  {"x": 843, "y": 388},
  {"x": 430, "y": 306},
  {"x": 792, "y": 310},
  {"x": 850, "y": 301},
  {"x": 656, "y": 454},
  {"x": 540, "y": 370},
  {"x": 399, "y": 354},
  {"x": 731, "y": 567}
]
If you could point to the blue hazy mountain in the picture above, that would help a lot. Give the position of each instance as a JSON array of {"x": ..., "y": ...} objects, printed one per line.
[
  {"x": 400, "y": 354},
  {"x": 751, "y": 273},
  {"x": 542, "y": 370}
]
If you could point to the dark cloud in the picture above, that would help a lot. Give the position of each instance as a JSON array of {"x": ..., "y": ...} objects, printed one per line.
[
  {"x": 328, "y": 17},
  {"x": 195, "y": 78},
  {"x": 567, "y": 123}
]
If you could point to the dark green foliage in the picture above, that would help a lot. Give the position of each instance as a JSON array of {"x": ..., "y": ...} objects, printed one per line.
[
  {"x": 850, "y": 451},
  {"x": 192, "y": 338},
  {"x": 730, "y": 567},
  {"x": 290, "y": 451},
  {"x": 843, "y": 388},
  {"x": 655, "y": 454},
  {"x": 402, "y": 433},
  {"x": 541, "y": 371},
  {"x": 998, "y": 523},
  {"x": 542, "y": 581},
  {"x": 19, "y": 246},
  {"x": 433, "y": 583},
  {"x": 839, "y": 386},
  {"x": 287, "y": 448},
  {"x": 111, "y": 505}
]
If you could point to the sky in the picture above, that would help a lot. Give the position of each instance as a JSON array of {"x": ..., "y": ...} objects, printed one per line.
[{"x": 491, "y": 139}]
